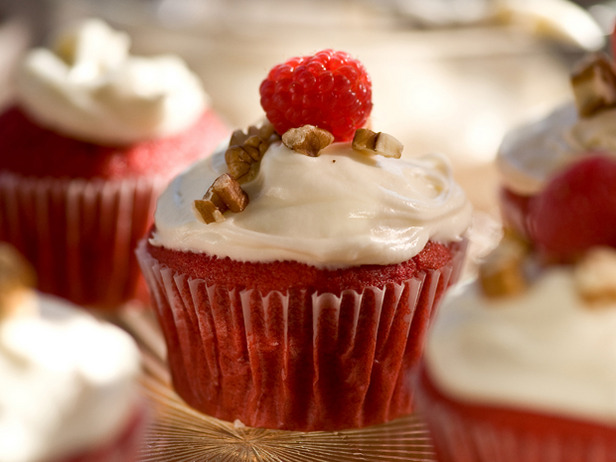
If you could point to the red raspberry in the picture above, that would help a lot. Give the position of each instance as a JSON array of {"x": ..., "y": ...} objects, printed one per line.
[
  {"x": 576, "y": 210},
  {"x": 329, "y": 89}
]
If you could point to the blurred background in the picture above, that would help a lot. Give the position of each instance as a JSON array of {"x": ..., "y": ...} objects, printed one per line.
[{"x": 448, "y": 75}]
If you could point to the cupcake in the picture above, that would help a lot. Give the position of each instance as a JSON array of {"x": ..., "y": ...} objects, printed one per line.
[
  {"x": 532, "y": 153},
  {"x": 294, "y": 273},
  {"x": 520, "y": 363},
  {"x": 92, "y": 138},
  {"x": 68, "y": 390}
]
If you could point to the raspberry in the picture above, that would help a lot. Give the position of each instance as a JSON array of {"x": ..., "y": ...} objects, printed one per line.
[
  {"x": 330, "y": 90},
  {"x": 576, "y": 210}
]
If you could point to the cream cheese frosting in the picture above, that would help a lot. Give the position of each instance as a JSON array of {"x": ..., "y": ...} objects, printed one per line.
[
  {"x": 68, "y": 382},
  {"x": 88, "y": 86},
  {"x": 338, "y": 209},
  {"x": 533, "y": 152},
  {"x": 544, "y": 349}
]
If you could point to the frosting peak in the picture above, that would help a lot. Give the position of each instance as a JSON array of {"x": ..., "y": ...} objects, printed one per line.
[
  {"x": 545, "y": 349},
  {"x": 338, "y": 209},
  {"x": 533, "y": 153},
  {"x": 89, "y": 87},
  {"x": 68, "y": 382}
]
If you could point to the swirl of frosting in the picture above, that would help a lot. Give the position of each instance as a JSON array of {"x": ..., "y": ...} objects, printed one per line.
[
  {"x": 89, "y": 87},
  {"x": 532, "y": 153},
  {"x": 545, "y": 349},
  {"x": 338, "y": 209},
  {"x": 68, "y": 382}
]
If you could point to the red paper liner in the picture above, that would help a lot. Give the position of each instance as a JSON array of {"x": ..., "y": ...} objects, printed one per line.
[
  {"x": 472, "y": 432},
  {"x": 295, "y": 360},
  {"x": 80, "y": 234},
  {"x": 126, "y": 447}
]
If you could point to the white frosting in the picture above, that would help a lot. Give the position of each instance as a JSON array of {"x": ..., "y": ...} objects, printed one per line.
[
  {"x": 339, "y": 209},
  {"x": 532, "y": 153},
  {"x": 67, "y": 382},
  {"x": 89, "y": 87},
  {"x": 543, "y": 350}
]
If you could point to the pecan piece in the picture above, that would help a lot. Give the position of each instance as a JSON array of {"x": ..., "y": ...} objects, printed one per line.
[
  {"x": 502, "y": 272},
  {"x": 246, "y": 149},
  {"x": 17, "y": 280},
  {"x": 307, "y": 140},
  {"x": 370, "y": 142},
  {"x": 595, "y": 275},
  {"x": 241, "y": 162},
  {"x": 224, "y": 194},
  {"x": 594, "y": 85}
]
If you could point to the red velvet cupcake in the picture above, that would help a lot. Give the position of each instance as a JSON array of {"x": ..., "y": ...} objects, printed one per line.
[
  {"x": 519, "y": 364},
  {"x": 296, "y": 292},
  {"x": 69, "y": 389},
  {"x": 92, "y": 139},
  {"x": 531, "y": 154}
]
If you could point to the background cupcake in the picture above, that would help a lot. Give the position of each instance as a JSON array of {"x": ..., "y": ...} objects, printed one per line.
[
  {"x": 93, "y": 137},
  {"x": 295, "y": 294},
  {"x": 531, "y": 154},
  {"x": 68, "y": 390},
  {"x": 519, "y": 364}
]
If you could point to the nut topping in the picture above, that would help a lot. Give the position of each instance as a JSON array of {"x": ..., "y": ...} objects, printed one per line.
[
  {"x": 307, "y": 140},
  {"x": 594, "y": 85},
  {"x": 17, "y": 279},
  {"x": 595, "y": 275},
  {"x": 241, "y": 163},
  {"x": 502, "y": 272},
  {"x": 246, "y": 149},
  {"x": 224, "y": 194},
  {"x": 370, "y": 142},
  {"x": 243, "y": 157}
]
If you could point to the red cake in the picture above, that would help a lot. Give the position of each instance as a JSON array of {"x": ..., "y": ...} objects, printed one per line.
[
  {"x": 78, "y": 188},
  {"x": 295, "y": 293},
  {"x": 519, "y": 363},
  {"x": 471, "y": 432},
  {"x": 69, "y": 390},
  {"x": 532, "y": 153},
  {"x": 30, "y": 150}
]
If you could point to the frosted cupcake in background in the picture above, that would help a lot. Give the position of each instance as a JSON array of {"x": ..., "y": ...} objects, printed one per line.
[
  {"x": 68, "y": 388},
  {"x": 531, "y": 154},
  {"x": 521, "y": 363},
  {"x": 294, "y": 274},
  {"x": 93, "y": 137}
]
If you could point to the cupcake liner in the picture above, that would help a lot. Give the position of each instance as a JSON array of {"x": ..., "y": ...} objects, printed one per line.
[
  {"x": 295, "y": 360},
  {"x": 464, "y": 432},
  {"x": 124, "y": 448},
  {"x": 79, "y": 234}
]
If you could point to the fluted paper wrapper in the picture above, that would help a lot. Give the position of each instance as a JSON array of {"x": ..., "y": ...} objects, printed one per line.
[
  {"x": 80, "y": 235},
  {"x": 462, "y": 432},
  {"x": 295, "y": 360}
]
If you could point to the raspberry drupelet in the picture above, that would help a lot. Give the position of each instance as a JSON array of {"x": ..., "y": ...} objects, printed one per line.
[{"x": 330, "y": 90}]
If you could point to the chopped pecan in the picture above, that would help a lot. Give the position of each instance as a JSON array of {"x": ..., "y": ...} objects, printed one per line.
[
  {"x": 246, "y": 149},
  {"x": 595, "y": 275},
  {"x": 370, "y": 142},
  {"x": 241, "y": 163},
  {"x": 307, "y": 140},
  {"x": 594, "y": 85},
  {"x": 17, "y": 280},
  {"x": 502, "y": 271},
  {"x": 224, "y": 194}
]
